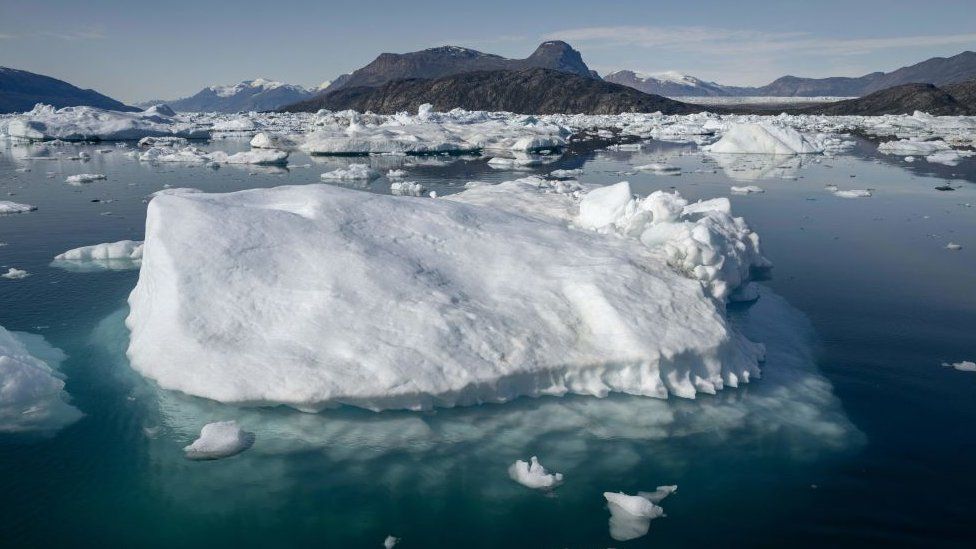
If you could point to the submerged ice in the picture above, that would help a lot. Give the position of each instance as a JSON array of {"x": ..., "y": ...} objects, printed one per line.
[{"x": 282, "y": 296}]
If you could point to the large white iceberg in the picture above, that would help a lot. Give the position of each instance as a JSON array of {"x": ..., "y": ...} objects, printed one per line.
[
  {"x": 314, "y": 296},
  {"x": 764, "y": 138},
  {"x": 32, "y": 396},
  {"x": 45, "y": 122}
]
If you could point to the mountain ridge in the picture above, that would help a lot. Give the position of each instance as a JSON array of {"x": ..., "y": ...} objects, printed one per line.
[{"x": 20, "y": 90}]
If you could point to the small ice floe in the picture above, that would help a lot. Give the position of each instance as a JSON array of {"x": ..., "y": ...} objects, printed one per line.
[
  {"x": 396, "y": 174},
  {"x": 390, "y": 542},
  {"x": 663, "y": 169},
  {"x": 566, "y": 174},
  {"x": 953, "y": 246},
  {"x": 257, "y": 157},
  {"x": 15, "y": 274},
  {"x": 764, "y": 138},
  {"x": 631, "y": 516},
  {"x": 113, "y": 256},
  {"x": 8, "y": 207},
  {"x": 219, "y": 440},
  {"x": 519, "y": 161},
  {"x": 353, "y": 172},
  {"x": 964, "y": 366},
  {"x": 533, "y": 475},
  {"x": 82, "y": 178},
  {"x": 909, "y": 159},
  {"x": 949, "y": 157},
  {"x": 908, "y": 147},
  {"x": 432, "y": 194},
  {"x": 851, "y": 193},
  {"x": 407, "y": 188},
  {"x": 748, "y": 189}
]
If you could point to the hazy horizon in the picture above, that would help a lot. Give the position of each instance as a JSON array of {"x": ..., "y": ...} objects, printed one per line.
[{"x": 142, "y": 52}]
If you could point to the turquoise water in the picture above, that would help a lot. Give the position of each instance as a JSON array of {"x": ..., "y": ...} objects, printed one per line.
[{"x": 856, "y": 434}]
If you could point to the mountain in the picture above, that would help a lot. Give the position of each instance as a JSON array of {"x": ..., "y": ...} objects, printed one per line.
[
  {"x": 527, "y": 91},
  {"x": 964, "y": 93},
  {"x": 21, "y": 90},
  {"x": 449, "y": 60},
  {"x": 250, "y": 95},
  {"x": 903, "y": 99},
  {"x": 669, "y": 84}
]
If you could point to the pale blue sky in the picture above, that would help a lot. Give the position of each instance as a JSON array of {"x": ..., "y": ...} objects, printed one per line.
[{"x": 142, "y": 50}]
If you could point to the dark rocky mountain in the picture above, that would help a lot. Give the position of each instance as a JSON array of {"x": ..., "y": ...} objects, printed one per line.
[
  {"x": 21, "y": 90},
  {"x": 964, "y": 93},
  {"x": 903, "y": 99},
  {"x": 669, "y": 84},
  {"x": 250, "y": 95},
  {"x": 449, "y": 60},
  {"x": 528, "y": 91}
]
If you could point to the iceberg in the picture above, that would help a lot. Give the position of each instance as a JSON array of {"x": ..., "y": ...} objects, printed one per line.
[
  {"x": 533, "y": 475},
  {"x": 763, "y": 138},
  {"x": 114, "y": 256},
  {"x": 747, "y": 189},
  {"x": 32, "y": 396},
  {"x": 8, "y": 207},
  {"x": 962, "y": 366},
  {"x": 352, "y": 173},
  {"x": 219, "y": 440},
  {"x": 14, "y": 273},
  {"x": 316, "y": 296},
  {"x": 83, "y": 178},
  {"x": 45, "y": 122},
  {"x": 631, "y": 516}
]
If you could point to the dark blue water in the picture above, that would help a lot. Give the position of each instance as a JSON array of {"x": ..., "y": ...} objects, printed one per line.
[{"x": 855, "y": 435}]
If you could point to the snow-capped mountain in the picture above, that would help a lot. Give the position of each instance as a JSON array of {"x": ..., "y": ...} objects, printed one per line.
[
  {"x": 669, "y": 84},
  {"x": 259, "y": 94}
]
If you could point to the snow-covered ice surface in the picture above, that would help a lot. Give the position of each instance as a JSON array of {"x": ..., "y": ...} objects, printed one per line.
[
  {"x": 121, "y": 255},
  {"x": 331, "y": 260},
  {"x": 32, "y": 396},
  {"x": 533, "y": 475},
  {"x": 218, "y": 440},
  {"x": 89, "y": 123}
]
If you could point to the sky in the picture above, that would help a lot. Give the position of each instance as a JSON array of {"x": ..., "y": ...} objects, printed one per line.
[{"x": 136, "y": 51}]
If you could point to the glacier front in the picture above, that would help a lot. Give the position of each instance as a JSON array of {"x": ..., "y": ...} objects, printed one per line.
[{"x": 315, "y": 296}]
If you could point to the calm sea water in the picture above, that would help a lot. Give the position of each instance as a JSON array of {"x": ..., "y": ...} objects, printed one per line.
[{"x": 855, "y": 435}]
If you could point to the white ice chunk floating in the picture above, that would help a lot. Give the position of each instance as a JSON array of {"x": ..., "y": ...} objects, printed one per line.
[
  {"x": 962, "y": 366},
  {"x": 219, "y": 440},
  {"x": 533, "y": 475},
  {"x": 953, "y": 246},
  {"x": 566, "y": 174},
  {"x": 45, "y": 122},
  {"x": 32, "y": 396},
  {"x": 748, "y": 189},
  {"x": 260, "y": 157},
  {"x": 852, "y": 193},
  {"x": 660, "y": 168},
  {"x": 83, "y": 178},
  {"x": 8, "y": 207},
  {"x": 352, "y": 173},
  {"x": 407, "y": 188},
  {"x": 305, "y": 319},
  {"x": 14, "y": 273},
  {"x": 630, "y": 516},
  {"x": 115, "y": 256},
  {"x": 396, "y": 174},
  {"x": 659, "y": 493},
  {"x": 763, "y": 138},
  {"x": 908, "y": 147}
]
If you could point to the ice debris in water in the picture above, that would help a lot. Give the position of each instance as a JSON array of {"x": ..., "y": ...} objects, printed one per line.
[
  {"x": 390, "y": 542},
  {"x": 407, "y": 188},
  {"x": 963, "y": 366},
  {"x": 566, "y": 174},
  {"x": 601, "y": 313},
  {"x": 8, "y": 207},
  {"x": 664, "y": 169},
  {"x": 82, "y": 178},
  {"x": 219, "y": 440},
  {"x": 15, "y": 274},
  {"x": 953, "y": 246},
  {"x": 852, "y": 193},
  {"x": 32, "y": 396},
  {"x": 353, "y": 172},
  {"x": 908, "y": 147},
  {"x": 764, "y": 138},
  {"x": 127, "y": 251},
  {"x": 396, "y": 174},
  {"x": 533, "y": 475},
  {"x": 748, "y": 189},
  {"x": 45, "y": 122},
  {"x": 631, "y": 516}
]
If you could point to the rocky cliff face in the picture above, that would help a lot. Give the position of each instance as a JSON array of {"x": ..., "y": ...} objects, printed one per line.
[
  {"x": 904, "y": 99},
  {"x": 528, "y": 91}
]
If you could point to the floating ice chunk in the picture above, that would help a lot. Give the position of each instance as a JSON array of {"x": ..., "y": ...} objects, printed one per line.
[
  {"x": 949, "y": 157},
  {"x": 353, "y": 172},
  {"x": 89, "y": 123},
  {"x": 566, "y": 174},
  {"x": 517, "y": 161},
  {"x": 763, "y": 138},
  {"x": 390, "y": 542},
  {"x": 8, "y": 207},
  {"x": 963, "y": 366},
  {"x": 533, "y": 475},
  {"x": 664, "y": 169},
  {"x": 953, "y": 246},
  {"x": 260, "y": 157},
  {"x": 852, "y": 193},
  {"x": 121, "y": 255},
  {"x": 396, "y": 174},
  {"x": 748, "y": 189},
  {"x": 620, "y": 319},
  {"x": 219, "y": 440},
  {"x": 630, "y": 516},
  {"x": 147, "y": 142},
  {"x": 604, "y": 206},
  {"x": 241, "y": 124},
  {"x": 909, "y": 159},
  {"x": 82, "y": 178},
  {"x": 32, "y": 396},
  {"x": 906, "y": 147},
  {"x": 406, "y": 188},
  {"x": 15, "y": 274}
]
